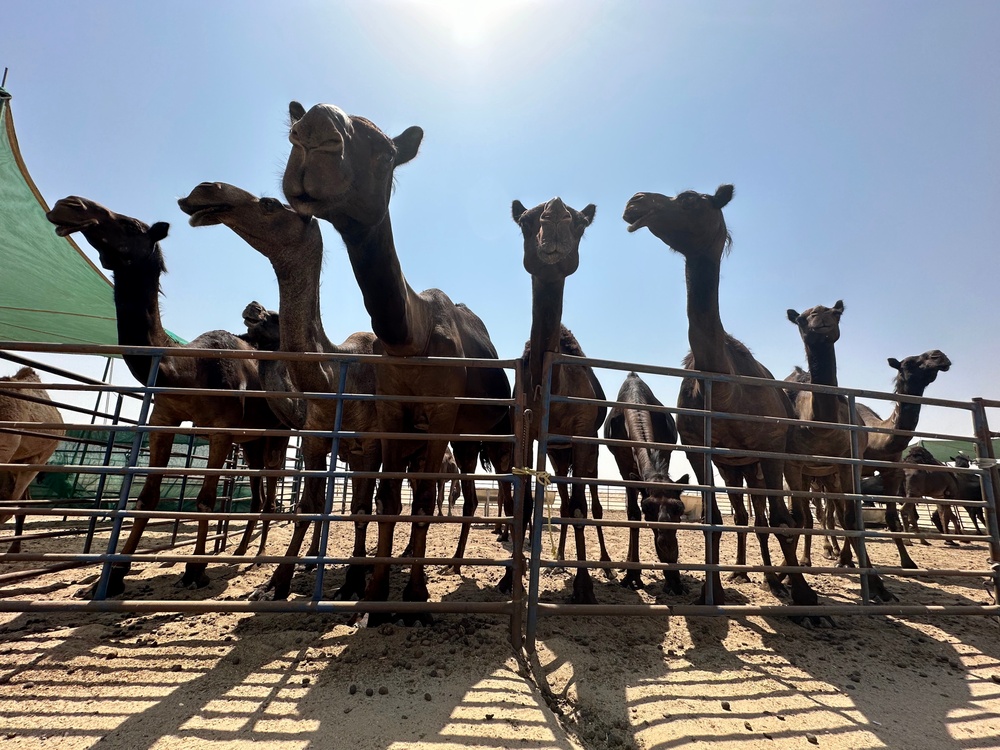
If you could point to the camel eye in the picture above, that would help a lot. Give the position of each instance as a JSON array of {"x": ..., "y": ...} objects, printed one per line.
[{"x": 270, "y": 205}]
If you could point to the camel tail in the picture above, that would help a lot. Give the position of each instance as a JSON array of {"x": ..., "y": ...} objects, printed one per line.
[{"x": 484, "y": 459}]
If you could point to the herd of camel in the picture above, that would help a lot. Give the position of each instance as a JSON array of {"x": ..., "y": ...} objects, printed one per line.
[{"x": 340, "y": 169}]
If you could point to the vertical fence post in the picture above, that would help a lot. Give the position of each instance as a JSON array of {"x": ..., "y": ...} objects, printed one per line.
[
  {"x": 101, "y": 591},
  {"x": 859, "y": 517},
  {"x": 708, "y": 499},
  {"x": 102, "y": 479},
  {"x": 519, "y": 489},
  {"x": 324, "y": 529},
  {"x": 990, "y": 481}
]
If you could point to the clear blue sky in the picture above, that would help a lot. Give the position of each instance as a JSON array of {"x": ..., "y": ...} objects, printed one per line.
[{"x": 861, "y": 138}]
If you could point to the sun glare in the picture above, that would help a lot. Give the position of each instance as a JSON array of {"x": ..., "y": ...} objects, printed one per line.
[{"x": 470, "y": 22}]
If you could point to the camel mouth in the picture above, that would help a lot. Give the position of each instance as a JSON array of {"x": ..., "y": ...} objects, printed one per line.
[
  {"x": 65, "y": 230},
  {"x": 635, "y": 222},
  {"x": 206, "y": 216}
]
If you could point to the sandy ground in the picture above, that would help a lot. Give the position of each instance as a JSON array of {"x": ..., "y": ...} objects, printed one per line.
[{"x": 236, "y": 681}]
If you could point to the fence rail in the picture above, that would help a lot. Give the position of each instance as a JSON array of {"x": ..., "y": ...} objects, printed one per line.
[{"x": 114, "y": 472}]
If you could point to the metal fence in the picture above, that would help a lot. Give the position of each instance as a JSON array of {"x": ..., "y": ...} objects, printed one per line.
[{"x": 92, "y": 526}]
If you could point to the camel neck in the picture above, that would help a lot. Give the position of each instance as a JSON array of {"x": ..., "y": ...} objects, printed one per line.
[
  {"x": 137, "y": 307},
  {"x": 822, "y": 361},
  {"x": 546, "y": 325},
  {"x": 399, "y": 316},
  {"x": 652, "y": 463},
  {"x": 904, "y": 417},
  {"x": 706, "y": 336},
  {"x": 299, "y": 317}
]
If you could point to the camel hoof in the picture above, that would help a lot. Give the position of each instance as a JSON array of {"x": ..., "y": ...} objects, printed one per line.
[
  {"x": 738, "y": 576},
  {"x": 583, "y": 588},
  {"x": 806, "y": 562},
  {"x": 451, "y": 570},
  {"x": 675, "y": 587},
  {"x": 775, "y": 586},
  {"x": 812, "y": 621},
  {"x": 846, "y": 564},
  {"x": 829, "y": 554},
  {"x": 418, "y": 620},
  {"x": 950, "y": 543},
  {"x": 354, "y": 584},
  {"x": 506, "y": 585},
  {"x": 193, "y": 580},
  {"x": 415, "y": 592},
  {"x": 632, "y": 580},
  {"x": 908, "y": 564},
  {"x": 263, "y": 593}
]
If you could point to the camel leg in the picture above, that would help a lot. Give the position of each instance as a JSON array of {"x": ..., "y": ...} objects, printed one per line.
[
  {"x": 759, "y": 502},
  {"x": 219, "y": 447},
  {"x": 892, "y": 486},
  {"x": 21, "y": 480},
  {"x": 440, "y": 496},
  {"x": 781, "y": 518},
  {"x": 876, "y": 588},
  {"x": 711, "y": 515},
  {"x": 253, "y": 454},
  {"x": 733, "y": 477},
  {"x": 466, "y": 455},
  {"x": 910, "y": 517},
  {"x": 314, "y": 452},
  {"x": 501, "y": 456},
  {"x": 597, "y": 511},
  {"x": 633, "y": 576},
  {"x": 362, "y": 492},
  {"x": 829, "y": 523},
  {"x": 160, "y": 444}
]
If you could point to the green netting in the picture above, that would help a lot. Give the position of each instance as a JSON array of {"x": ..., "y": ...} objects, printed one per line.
[
  {"x": 944, "y": 450},
  {"x": 49, "y": 290},
  {"x": 89, "y": 447}
]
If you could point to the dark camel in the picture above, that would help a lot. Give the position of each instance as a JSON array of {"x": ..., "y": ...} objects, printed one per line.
[
  {"x": 647, "y": 464},
  {"x": 913, "y": 375},
  {"x": 970, "y": 488},
  {"x": 294, "y": 245},
  {"x": 130, "y": 249},
  {"x": 692, "y": 224},
  {"x": 919, "y": 482},
  {"x": 819, "y": 328},
  {"x": 552, "y": 232},
  {"x": 340, "y": 169},
  {"x": 32, "y": 446}
]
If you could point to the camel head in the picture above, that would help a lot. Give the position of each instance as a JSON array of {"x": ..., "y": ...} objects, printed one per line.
[
  {"x": 664, "y": 505},
  {"x": 691, "y": 224},
  {"x": 819, "y": 325},
  {"x": 915, "y": 373},
  {"x": 267, "y": 224},
  {"x": 120, "y": 241},
  {"x": 263, "y": 331},
  {"x": 341, "y": 166},
  {"x": 552, "y": 233}
]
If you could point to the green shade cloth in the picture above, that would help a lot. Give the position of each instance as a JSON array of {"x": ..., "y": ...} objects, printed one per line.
[
  {"x": 944, "y": 450},
  {"x": 49, "y": 290}
]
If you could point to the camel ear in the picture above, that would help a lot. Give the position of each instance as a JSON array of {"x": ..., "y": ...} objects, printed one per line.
[
  {"x": 407, "y": 144},
  {"x": 517, "y": 210},
  {"x": 589, "y": 212},
  {"x": 894, "y": 363},
  {"x": 158, "y": 231},
  {"x": 684, "y": 479},
  {"x": 839, "y": 306},
  {"x": 722, "y": 196},
  {"x": 295, "y": 112},
  {"x": 792, "y": 315}
]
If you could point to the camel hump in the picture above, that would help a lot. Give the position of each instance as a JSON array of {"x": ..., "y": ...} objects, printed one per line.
[{"x": 25, "y": 375}]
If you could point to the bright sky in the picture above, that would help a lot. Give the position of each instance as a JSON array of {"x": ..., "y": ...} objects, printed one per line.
[{"x": 861, "y": 138}]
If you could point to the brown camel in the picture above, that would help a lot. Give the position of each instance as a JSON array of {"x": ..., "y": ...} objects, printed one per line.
[
  {"x": 130, "y": 249},
  {"x": 820, "y": 330},
  {"x": 692, "y": 224},
  {"x": 33, "y": 445},
  {"x": 970, "y": 488},
  {"x": 294, "y": 245},
  {"x": 647, "y": 464},
  {"x": 552, "y": 232},
  {"x": 448, "y": 466},
  {"x": 913, "y": 375},
  {"x": 340, "y": 169},
  {"x": 919, "y": 482}
]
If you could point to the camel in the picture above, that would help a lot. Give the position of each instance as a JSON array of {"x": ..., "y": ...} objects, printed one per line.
[
  {"x": 130, "y": 249},
  {"x": 647, "y": 464},
  {"x": 293, "y": 244},
  {"x": 913, "y": 375},
  {"x": 448, "y": 466},
  {"x": 921, "y": 483},
  {"x": 970, "y": 488},
  {"x": 340, "y": 169},
  {"x": 819, "y": 328},
  {"x": 34, "y": 446},
  {"x": 552, "y": 232},
  {"x": 693, "y": 225}
]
